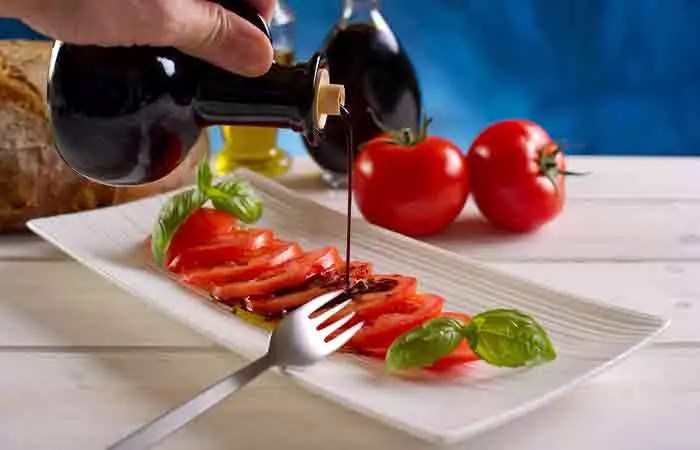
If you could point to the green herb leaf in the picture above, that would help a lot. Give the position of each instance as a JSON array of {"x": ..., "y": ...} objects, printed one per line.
[
  {"x": 237, "y": 197},
  {"x": 424, "y": 345},
  {"x": 172, "y": 215},
  {"x": 204, "y": 175},
  {"x": 509, "y": 338}
]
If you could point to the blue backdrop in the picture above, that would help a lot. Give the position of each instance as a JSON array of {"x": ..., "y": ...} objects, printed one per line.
[{"x": 616, "y": 77}]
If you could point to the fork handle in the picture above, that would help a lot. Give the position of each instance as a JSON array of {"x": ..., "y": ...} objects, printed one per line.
[{"x": 153, "y": 432}]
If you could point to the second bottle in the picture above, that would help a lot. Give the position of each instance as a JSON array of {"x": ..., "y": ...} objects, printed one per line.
[{"x": 381, "y": 85}]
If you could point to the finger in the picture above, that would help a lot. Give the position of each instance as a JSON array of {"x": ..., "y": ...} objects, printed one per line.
[{"x": 220, "y": 37}]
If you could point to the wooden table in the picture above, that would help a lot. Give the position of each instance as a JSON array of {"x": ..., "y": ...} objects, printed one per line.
[{"x": 82, "y": 363}]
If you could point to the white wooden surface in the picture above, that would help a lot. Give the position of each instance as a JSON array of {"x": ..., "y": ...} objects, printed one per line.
[{"x": 75, "y": 375}]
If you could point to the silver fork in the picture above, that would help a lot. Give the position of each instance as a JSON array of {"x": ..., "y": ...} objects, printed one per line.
[{"x": 296, "y": 341}]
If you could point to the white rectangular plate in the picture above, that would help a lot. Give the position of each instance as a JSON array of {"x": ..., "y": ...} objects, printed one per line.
[{"x": 589, "y": 336}]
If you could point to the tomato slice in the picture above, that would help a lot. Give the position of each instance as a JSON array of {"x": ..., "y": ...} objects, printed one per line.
[
  {"x": 288, "y": 275},
  {"x": 241, "y": 269},
  {"x": 229, "y": 248},
  {"x": 459, "y": 356},
  {"x": 278, "y": 305},
  {"x": 378, "y": 291},
  {"x": 372, "y": 296},
  {"x": 200, "y": 227},
  {"x": 402, "y": 314},
  {"x": 462, "y": 354}
]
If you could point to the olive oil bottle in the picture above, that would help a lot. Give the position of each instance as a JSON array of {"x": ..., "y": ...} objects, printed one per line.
[{"x": 252, "y": 147}]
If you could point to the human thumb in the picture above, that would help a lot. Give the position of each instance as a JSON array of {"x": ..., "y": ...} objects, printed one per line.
[{"x": 216, "y": 35}]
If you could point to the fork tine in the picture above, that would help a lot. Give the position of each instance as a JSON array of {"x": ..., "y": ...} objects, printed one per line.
[
  {"x": 318, "y": 320},
  {"x": 325, "y": 332},
  {"x": 318, "y": 302},
  {"x": 342, "y": 338}
]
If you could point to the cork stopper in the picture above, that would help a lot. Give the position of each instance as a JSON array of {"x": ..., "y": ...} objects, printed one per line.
[{"x": 329, "y": 99}]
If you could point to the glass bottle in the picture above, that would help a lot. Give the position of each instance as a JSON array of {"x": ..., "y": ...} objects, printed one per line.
[
  {"x": 381, "y": 85},
  {"x": 127, "y": 116},
  {"x": 256, "y": 147}
]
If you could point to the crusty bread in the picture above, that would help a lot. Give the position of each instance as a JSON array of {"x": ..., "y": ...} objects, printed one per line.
[
  {"x": 30, "y": 58},
  {"x": 34, "y": 180}
]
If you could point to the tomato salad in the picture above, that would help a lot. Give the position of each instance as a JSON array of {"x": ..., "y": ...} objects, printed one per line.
[{"x": 215, "y": 250}]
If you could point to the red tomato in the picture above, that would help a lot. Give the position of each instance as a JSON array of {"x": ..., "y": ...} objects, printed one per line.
[
  {"x": 280, "y": 304},
  {"x": 405, "y": 314},
  {"x": 379, "y": 290},
  {"x": 200, "y": 227},
  {"x": 414, "y": 187},
  {"x": 461, "y": 355},
  {"x": 376, "y": 296},
  {"x": 517, "y": 175},
  {"x": 289, "y": 275},
  {"x": 245, "y": 268},
  {"x": 227, "y": 248}
]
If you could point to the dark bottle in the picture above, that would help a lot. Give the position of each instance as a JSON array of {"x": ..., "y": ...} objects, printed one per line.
[
  {"x": 380, "y": 83},
  {"x": 129, "y": 115}
]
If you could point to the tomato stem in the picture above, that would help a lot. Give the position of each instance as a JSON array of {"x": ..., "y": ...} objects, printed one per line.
[
  {"x": 406, "y": 137},
  {"x": 548, "y": 164}
]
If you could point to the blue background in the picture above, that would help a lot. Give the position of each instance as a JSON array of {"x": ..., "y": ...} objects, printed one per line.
[{"x": 613, "y": 76}]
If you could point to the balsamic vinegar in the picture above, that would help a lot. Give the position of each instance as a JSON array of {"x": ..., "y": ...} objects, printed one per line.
[{"x": 347, "y": 124}]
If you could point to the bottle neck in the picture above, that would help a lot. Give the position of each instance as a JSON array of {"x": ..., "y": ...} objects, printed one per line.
[
  {"x": 359, "y": 9},
  {"x": 298, "y": 97},
  {"x": 282, "y": 98}
]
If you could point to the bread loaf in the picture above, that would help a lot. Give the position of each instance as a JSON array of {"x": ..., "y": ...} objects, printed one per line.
[
  {"x": 30, "y": 58},
  {"x": 34, "y": 180}
]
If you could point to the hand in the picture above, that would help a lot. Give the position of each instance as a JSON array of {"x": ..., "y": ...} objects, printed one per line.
[{"x": 198, "y": 27}]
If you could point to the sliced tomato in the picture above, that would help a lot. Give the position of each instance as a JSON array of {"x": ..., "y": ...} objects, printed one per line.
[
  {"x": 381, "y": 288},
  {"x": 241, "y": 269},
  {"x": 288, "y": 275},
  {"x": 371, "y": 296},
  {"x": 402, "y": 314},
  {"x": 232, "y": 247},
  {"x": 281, "y": 303},
  {"x": 200, "y": 227},
  {"x": 461, "y": 355}
]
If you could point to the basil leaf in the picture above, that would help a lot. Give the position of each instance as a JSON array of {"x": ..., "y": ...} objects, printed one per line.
[
  {"x": 173, "y": 213},
  {"x": 204, "y": 176},
  {"x": 424, "y": 345},
  {"x": 509, "y": 338},
  {"x": 237, "y": 197}
]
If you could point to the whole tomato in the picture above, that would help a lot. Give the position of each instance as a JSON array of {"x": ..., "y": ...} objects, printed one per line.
[
  {"x": 410, "y": 183},
  {"x": 517, "y": 175}
]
